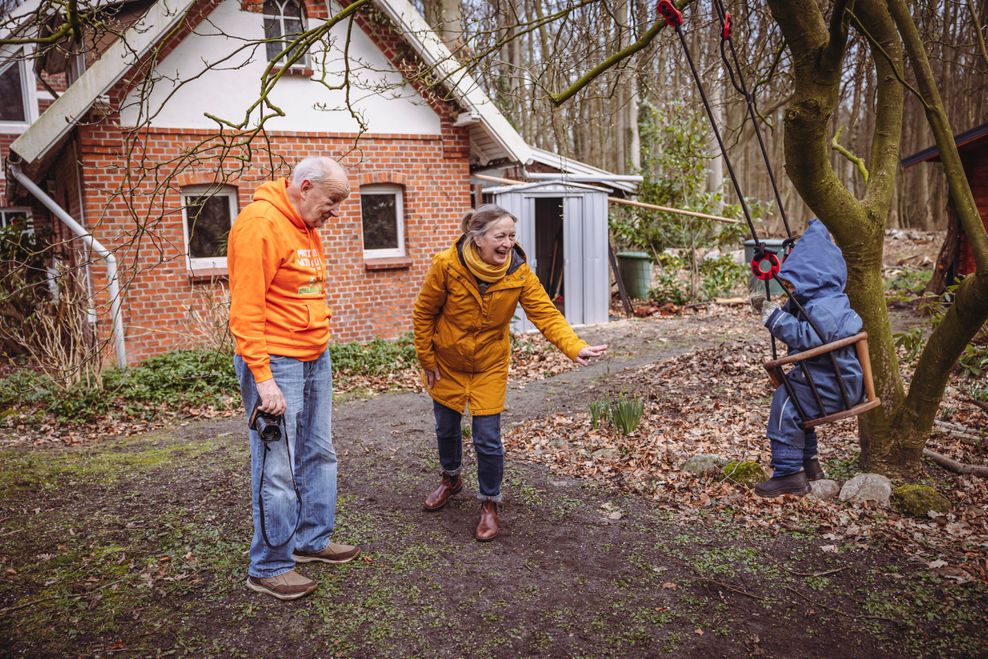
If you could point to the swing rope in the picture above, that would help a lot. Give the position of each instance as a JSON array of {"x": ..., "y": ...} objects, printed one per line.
[
  {"x": 739, "y": 84},
  {"x": 765, "y": 265}
]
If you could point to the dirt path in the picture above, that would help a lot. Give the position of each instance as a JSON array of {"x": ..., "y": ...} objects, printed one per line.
[{"x": 139, "y": 546}]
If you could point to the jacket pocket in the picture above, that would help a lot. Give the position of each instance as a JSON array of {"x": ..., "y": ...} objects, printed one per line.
[{"x": 316, "y": 314}]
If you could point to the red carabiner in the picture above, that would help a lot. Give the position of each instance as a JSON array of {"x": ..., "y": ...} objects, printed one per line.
[
  {"x": 673, "y": 16},
  {"x": 765, "y": 265},
  {"x": 726, "y": 34}
]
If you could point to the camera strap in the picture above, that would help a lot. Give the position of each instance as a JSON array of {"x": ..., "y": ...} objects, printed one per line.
[{"x": 260, "y": 490}]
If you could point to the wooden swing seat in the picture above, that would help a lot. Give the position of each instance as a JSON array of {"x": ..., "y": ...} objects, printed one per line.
[{"x": 860, "y": 342}]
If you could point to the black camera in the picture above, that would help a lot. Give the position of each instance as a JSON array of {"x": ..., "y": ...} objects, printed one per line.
[{"x": 267, "y": 425}]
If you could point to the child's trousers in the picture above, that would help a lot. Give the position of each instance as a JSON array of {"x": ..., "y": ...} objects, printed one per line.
[{"x": 791, "y": 445}]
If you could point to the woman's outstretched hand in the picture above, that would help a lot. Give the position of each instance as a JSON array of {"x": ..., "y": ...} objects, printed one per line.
[
  {"x": 431, "y": 377},
  {"x": 583, "y": 357}
]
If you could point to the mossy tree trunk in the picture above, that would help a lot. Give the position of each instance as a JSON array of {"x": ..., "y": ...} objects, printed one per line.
[{"x": 893, "y": 436}]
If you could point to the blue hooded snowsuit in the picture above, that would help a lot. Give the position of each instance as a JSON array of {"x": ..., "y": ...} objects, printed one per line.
[{"x": 817, "y": 271}]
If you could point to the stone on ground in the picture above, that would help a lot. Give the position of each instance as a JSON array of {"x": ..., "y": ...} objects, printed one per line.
[
  {"x": 919, "y": 500},
  {"x": 704, "y": 463},
  {"x": 824, "y": 489},
  {"x": 747, "y": 473},
  {"x": 867, "y": 487}
]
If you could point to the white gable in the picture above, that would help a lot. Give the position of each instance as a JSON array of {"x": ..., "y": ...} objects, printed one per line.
[{"x": 378, "y": 93}]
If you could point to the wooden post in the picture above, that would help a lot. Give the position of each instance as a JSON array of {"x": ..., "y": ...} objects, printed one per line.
[{"x": 625, "y": 300}]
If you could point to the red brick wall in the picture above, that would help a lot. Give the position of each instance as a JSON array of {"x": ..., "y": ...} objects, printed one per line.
[{"x": 144, "y": 228}]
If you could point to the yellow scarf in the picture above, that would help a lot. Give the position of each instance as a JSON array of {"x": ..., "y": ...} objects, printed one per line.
[{"x": 482, "y": 270}]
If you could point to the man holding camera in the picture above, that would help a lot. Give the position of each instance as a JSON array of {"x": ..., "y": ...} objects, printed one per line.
[{"x": 280, "y": 320}]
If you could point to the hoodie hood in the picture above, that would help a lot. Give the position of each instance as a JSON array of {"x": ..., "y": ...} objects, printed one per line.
[
  {"x": 816, "y": 266},
  {"x": 276, "y": 194}
]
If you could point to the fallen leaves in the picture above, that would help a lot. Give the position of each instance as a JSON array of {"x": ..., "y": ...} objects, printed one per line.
[{"x": 717, "y": 401}]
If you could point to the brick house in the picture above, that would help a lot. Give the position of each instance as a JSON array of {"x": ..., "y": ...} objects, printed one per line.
[{"x": 108, "y": 146}]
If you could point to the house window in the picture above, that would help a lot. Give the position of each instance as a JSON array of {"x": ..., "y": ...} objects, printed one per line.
[
  {"x": 284, "y": 21},
  {"x": 383, "y": 217},
  {"x": 20, "y": 217},
  {"x": 16, "y": 93},
  {"x": 208, "y": 213}
]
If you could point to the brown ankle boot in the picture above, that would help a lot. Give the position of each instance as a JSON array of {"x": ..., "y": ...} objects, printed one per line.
[
  {"x": 487, "y": 527},
  {"x": 449, "y": 486}
]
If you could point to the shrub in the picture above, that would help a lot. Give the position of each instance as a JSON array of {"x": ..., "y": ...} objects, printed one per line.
[
  {"x": 376, "y": 357},
  {"x": 721, "y": 276}
]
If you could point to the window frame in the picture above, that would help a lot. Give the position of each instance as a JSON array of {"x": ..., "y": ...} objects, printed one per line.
[
  {"x": 29, "y": 89},
  {"x": 233, "y": 204},
  {"x": 17, "y": 210},
  {"x": 304, "y": 64},
  {"x": 399, "y": 193}
]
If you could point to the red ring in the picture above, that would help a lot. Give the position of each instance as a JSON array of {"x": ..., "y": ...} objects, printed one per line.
[{"x": 773, "y": 265}]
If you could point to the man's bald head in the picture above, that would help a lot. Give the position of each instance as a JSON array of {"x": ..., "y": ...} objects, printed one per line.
[{"x": 317, "y": 188}]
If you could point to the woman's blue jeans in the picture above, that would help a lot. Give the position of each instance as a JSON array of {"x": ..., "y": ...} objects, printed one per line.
[
  {"x": 309, "y": 453},
  {"x": 486, "y": 442}
]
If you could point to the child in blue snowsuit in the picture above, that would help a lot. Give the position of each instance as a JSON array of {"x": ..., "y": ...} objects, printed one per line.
[{"x": 815, "y": 274}]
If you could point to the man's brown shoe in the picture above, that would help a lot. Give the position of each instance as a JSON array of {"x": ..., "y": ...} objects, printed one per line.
[
  {"x": 487, "y": 528},
  {"x": 814, "y": 471},
  {"x": 288, "y": 586},
  {"x": 449, "y": 486},
  {"x": 333, "y": 553},
  {"x": 788, "y": 484}
]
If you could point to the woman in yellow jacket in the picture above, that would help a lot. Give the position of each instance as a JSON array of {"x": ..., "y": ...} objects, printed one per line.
[{"x": 461, "y": 321}]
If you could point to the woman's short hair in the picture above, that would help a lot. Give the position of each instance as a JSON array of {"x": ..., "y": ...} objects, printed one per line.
[{"x": 477, "y": 221}]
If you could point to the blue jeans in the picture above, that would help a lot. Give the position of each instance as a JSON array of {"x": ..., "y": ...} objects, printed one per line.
[
  {"x": 309, "y": 453},
  {"x": 486, "y": 442}
]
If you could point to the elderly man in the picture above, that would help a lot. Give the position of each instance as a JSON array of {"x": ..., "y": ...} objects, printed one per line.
[{"x": 279, "y": 318}]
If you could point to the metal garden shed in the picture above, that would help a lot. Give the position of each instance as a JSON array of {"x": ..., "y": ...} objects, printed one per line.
[{"x": 563, "y": 229}]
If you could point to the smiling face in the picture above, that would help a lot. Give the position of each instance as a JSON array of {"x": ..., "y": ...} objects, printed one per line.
[{"x": 495, "y": 245}]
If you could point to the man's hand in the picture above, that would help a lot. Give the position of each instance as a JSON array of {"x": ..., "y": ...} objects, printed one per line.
[
  {"x": 586, "y": 353},
  {"x": 768, "y": 308},
  {"x": 431, "y": 377},
  {"x": 272, "y": 400}
]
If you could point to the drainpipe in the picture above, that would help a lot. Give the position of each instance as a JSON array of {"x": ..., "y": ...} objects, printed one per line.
[{"x": 94, "y": 245}]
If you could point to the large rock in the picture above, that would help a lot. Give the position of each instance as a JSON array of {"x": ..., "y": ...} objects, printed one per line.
[
  {"x": 606, "y": 454},
  {"x": 824, "y": 489},
  {"x": 919, "y": 500},
  {"x": 704, "y": 463},
  {"x": 867, "y": 487}
]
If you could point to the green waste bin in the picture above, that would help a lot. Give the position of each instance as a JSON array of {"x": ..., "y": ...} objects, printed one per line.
[
  {"x": 636, "y": 273},
  {"x": 773, "y": 245}
]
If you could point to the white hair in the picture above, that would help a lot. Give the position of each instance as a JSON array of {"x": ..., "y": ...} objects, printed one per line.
[{"x": 314, "y": 168}]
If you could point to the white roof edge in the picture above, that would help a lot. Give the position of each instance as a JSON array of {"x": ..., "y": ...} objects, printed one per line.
[
  {"x": 572, "y": 166},
  {"x": 516, "y": 187},
  {"x": 62, "y": 115},
  {"x": 434, "y": 52}
]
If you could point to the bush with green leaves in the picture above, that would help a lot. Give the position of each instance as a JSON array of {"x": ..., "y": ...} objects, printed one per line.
[
  {"x": 377, "y": 357},
  {"x": 721, "y": 277},
  {"x": 173, "y": 380}
]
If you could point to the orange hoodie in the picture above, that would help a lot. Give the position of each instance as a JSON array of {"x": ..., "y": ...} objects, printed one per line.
[{"x": 277, "y": 282}]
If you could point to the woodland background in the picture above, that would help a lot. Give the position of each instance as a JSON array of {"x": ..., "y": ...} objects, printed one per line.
[{"x": 626, "y": 118}]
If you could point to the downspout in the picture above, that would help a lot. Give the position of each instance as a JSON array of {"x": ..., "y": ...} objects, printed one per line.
[{"x": 94, "y": 245}]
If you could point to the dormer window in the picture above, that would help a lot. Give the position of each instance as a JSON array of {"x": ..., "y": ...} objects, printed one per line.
[
  {"x": 16, "y": 92},
  {"x": 284, "y": 21}
]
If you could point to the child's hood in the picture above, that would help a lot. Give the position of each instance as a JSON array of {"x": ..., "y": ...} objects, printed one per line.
[{"x": 816, "y": 265}]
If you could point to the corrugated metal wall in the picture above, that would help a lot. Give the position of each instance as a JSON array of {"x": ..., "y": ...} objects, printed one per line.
[{"x": 586, "y": 286}]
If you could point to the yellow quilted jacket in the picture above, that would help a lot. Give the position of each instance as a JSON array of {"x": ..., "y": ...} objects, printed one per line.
[{"x": 464, "y": 332}]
